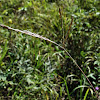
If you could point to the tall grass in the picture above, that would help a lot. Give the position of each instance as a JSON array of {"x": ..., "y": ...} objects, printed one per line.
[
  {"x": 41, "y": 37},
  {"x": 53, "y": 68}
]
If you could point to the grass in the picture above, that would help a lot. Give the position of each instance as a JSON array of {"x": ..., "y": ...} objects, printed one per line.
[{"x": 30, "y": 67}]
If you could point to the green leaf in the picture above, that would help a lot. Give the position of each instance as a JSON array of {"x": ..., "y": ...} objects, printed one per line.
[
  {"x": 96, "y": 62},
  {"x": 86, "y": 94},
  {"x": 83, "y": 54},
  {"x": 4, "y": 51},
  {"x": 2, "y": 78}
]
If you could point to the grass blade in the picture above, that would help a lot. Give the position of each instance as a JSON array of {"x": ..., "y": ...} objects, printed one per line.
[{"x": 86, "y": 94}]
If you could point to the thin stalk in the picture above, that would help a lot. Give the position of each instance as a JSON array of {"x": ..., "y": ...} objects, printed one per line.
[
  {"x": 68, "y": 30},
  {"x": 60, "y": 13},
  {"x": 81, "y": 87}
]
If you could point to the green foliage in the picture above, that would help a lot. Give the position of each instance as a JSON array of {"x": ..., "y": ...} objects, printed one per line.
[{"x": 35, "y": 69}]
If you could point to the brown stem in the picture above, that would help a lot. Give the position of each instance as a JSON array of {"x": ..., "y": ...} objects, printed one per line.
[
  {"x": 68, "y": 30},
  {"x": 60, "y": 13}
]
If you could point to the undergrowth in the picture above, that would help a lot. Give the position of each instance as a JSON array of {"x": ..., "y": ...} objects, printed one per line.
[{"x": 34, "y": 69}]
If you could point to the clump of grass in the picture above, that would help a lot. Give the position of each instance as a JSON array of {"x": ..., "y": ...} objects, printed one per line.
[{"x": 44, "y": 38}]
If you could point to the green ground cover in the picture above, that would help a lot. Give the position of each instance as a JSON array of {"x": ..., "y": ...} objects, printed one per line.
[{"x": 35, "y": 69}]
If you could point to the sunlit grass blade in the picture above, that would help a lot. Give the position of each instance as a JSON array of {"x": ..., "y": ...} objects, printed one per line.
[{"x": 86, "y": 94}]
